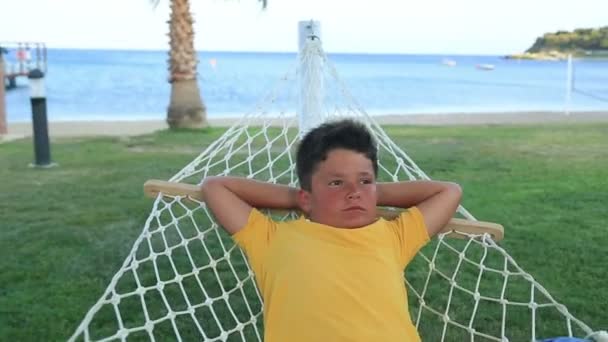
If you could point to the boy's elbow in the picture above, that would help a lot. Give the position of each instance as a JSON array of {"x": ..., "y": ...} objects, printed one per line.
[
  {"x": 210, "y": 180},
  {"x": 455, "y": 190},
  {"x": 209, "y": 183}
]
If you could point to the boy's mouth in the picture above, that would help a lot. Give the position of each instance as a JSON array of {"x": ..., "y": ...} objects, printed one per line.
[{"x": 355, "y": 208}]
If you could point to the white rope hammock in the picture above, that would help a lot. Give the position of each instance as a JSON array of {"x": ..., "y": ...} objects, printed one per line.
[{"x": 184, "y": 278}]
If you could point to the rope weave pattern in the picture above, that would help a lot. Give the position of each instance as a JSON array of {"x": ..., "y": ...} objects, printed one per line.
[{"x": 185, "y": 279}]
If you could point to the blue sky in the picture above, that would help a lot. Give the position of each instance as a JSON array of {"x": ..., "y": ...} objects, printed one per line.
[{"x": 377, "y": 26}]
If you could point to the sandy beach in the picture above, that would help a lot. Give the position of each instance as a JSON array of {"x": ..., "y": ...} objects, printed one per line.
[{"x": 131, "y": 128}]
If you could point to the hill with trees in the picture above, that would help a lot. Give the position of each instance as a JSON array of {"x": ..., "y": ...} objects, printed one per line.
[{"x": 583, "y": 42}]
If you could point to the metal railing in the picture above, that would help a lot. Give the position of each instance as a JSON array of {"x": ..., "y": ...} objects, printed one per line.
[{"x": 22, "y": 57}]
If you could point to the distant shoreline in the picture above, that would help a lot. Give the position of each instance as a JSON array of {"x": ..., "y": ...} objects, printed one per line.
[
  {"x": 132, "y": 128},
  {"x": 551, "y": 57}
]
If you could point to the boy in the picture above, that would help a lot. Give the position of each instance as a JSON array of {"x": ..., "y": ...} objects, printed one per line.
[{"x": 337, "y": 274}]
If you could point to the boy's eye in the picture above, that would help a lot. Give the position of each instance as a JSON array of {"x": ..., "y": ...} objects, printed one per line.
[
  {"x": 335, "y": 182},
  {"x": 366, "y": 181}
]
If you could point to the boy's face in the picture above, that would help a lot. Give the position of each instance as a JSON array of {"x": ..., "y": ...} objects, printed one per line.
[{"x": 343, "y": 191}]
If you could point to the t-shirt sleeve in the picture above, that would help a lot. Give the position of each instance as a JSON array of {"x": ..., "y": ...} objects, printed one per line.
[
  {"x": 255, "y": 237},
  {"x": 411, "y": 234}
]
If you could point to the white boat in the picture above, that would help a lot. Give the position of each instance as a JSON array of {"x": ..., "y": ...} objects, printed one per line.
[
  {"x": 485, "y": 66},
  {"x": 448, "y": 62}
]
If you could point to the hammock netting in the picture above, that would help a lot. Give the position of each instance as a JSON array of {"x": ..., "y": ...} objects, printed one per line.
[{"x": 185, "y": 279}]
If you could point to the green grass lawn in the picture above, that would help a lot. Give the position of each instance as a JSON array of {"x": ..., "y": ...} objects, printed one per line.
[{"x": 65, "y": 231}]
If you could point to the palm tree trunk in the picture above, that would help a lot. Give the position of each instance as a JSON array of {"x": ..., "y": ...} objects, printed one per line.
[{"x": 186, "y": 108}]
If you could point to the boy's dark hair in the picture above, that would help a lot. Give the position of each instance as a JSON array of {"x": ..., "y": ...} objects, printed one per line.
[{"x": 317, "y": 143}]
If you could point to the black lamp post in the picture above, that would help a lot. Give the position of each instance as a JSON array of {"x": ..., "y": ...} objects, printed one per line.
[{"x": 42, "y": 149}]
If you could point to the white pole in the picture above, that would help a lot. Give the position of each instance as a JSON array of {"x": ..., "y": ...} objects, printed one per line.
[
  {"x": 569, "y": 79},
  {"x": 3, "y": 126},
  {"x": 310, "y": 113}
]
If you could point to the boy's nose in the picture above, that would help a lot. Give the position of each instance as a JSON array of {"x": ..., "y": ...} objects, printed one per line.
[
  {"x": 354, "y": 195},
  {"x": 353, "y": 192}
]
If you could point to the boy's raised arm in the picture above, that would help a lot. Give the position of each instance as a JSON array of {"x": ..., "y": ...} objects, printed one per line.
[
  {"x": 437, "y": 201},
  {"x": 232, "y": 198}
]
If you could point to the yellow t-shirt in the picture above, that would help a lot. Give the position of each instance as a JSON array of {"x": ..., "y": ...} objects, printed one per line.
[{"x": 321, "y": 283}]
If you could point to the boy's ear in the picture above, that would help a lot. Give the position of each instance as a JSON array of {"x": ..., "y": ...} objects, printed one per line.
[{"x": 304, "y": 200}]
